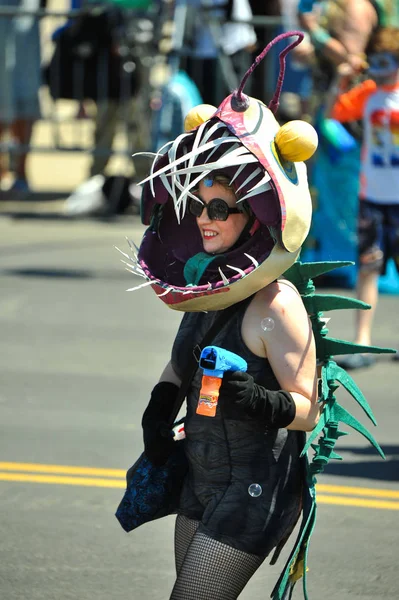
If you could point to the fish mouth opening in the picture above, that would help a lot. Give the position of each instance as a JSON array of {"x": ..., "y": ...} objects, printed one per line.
[{"x": 164, "y": 264}]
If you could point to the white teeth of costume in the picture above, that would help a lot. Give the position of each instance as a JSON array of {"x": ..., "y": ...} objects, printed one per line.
[
  {"x": 154, "y": 156},
  {"x": 133, "y": 266},
  {"x": 254, "y": 173},
  {"x": 223, "y": 276},
  {"x": 138, "y": 287},
  {"x": 136, "y": 270},
  {"x": 262, "y": 186},
  {"x": 187, "y": 156},
  {"x": 228, "y": 159},
  {"x": 183, "y": 291},
  {"x": 123, "y": 253},
  {"x": 165, "y": 292},
  {"x": 129, "y": 270},
  {"x": 252, "y": 259},
  {"x": 186, "y": 186},
  {"x": 240, "y": 271},
  {"x": 172, "y": 154},
  {"x": 186, "y": 192},
  {"x": 132, "y": 245},
  {"x": 211, "y": 130}
]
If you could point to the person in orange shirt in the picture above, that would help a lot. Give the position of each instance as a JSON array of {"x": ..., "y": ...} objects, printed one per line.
[{"x": 376, "y": 102}]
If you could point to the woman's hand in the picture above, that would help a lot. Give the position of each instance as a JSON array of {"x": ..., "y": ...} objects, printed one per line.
[{"x": 276, "y": 408}]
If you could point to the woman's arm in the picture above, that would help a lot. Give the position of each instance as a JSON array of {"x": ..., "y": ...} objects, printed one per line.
[
  {"x": 290, "y": 348},
  {"x": 158, "y": 440}
]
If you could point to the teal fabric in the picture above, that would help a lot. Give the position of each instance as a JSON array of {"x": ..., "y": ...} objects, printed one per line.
[
  {"x": 196, "y": 266},
  {"x": 324, "y": 436}
]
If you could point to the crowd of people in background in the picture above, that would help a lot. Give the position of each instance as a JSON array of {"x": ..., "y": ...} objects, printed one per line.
[{"x": 96, "y": 59}]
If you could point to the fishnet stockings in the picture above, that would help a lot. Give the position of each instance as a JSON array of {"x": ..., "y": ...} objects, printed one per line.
[
  {"x": 184, "y": 532},
  {"x": 208, "y": 569}
]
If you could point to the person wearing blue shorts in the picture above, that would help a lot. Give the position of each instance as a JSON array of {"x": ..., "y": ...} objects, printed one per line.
[
  {"x": 376, "y": 102},
  {"x": 20, "y": 80}
]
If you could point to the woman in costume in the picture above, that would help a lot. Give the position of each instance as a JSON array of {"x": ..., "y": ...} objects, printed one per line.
[{"x": 228, "y": 208}]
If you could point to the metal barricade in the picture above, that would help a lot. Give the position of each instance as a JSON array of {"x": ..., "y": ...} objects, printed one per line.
[
  {"x": 99, "y": 67},
  {"x": 94, "y": 89}
]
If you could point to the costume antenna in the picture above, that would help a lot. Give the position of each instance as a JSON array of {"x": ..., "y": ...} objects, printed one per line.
[{"x": 239, "y": 101}]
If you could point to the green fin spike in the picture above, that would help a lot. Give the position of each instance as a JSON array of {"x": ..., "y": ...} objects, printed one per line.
[
  {"x": 336, "y": 456},
  {"x": 305, "y": 561},
  {"x": 306, "y": 529},
  {"x": 341, "y": 433},
  {"x": 343, "y": 415},
  {"x": 336, "y": 372},
  {"x": 316, "y": 432},
  {"x": 315, "y": 303},
  {"x": 316, "y": 448},
  {"x": 326, "y": 347},
  {"x": 301, "y": 272}
]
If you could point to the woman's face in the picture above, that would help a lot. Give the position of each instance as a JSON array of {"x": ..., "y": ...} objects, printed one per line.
[{"x": 219, "y": 236}]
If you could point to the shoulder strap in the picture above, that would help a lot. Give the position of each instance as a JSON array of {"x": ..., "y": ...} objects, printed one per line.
[{"x": 192, "y": 366}]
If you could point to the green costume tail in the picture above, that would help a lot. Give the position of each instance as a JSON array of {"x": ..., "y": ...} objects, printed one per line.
[{"x": 325, "y": 435}]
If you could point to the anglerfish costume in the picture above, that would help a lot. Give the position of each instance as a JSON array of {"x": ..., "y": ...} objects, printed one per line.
[
  {"x": 243, "y": 140},
  {"x": 263, "y": 163}
]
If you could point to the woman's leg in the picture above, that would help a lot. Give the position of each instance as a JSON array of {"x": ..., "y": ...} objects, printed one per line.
[
  {"x": 184, "y": 532},
  {"x": 214, "y": 570}
]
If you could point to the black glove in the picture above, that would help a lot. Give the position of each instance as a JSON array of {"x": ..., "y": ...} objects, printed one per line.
[
  {"x": 157, "y": 434},
  {"x": 276, "y": 408}
]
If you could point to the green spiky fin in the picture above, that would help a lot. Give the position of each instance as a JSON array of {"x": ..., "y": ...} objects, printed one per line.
[
  {"x": 325, "y": 435},
  {"x": 327, "y": 347},
  {"x": 315, "y": 303},
  {"x": 300, "y": 272},
  {"x": 339, "y": 374},
  {"x": 324, "y": 389},
  {"x": 324, "y": 417},
  {"x": 341, "y": 414},
  {"x": 332, "y": 372},
  {"x": 328, "y": 424},
  {"x": 318, "y": 447},
  {"x": 296, "y": 563}
]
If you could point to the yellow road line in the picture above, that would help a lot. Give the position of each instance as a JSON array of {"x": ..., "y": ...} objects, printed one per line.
[
  {"x": 64, "y": 480},
  {"x": 361, "y": 502},
  {"x": 120, "y": 483},
  {"x": 115, "y": 478},
  {"x": 357, "y": 491},
  {"x": 61, "y": 469}
]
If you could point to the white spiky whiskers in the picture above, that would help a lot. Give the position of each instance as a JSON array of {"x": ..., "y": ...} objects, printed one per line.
[
  {"x": 132, "y": 265},
  {"x": 181, "y": 176}
]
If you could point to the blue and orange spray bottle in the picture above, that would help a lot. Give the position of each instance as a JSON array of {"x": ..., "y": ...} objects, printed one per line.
[{"x": 215, "y": 361}]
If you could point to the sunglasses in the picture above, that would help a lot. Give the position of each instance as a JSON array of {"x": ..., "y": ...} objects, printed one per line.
[{"x": 217, "y": 209}]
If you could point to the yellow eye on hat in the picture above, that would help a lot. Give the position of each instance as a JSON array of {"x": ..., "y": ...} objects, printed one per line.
[
  {"x": 197, "y": 115},
  {"x": 296, "y": 141}
]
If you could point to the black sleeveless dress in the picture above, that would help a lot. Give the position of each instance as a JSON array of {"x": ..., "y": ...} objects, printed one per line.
[{"x": 231, "y": 451}]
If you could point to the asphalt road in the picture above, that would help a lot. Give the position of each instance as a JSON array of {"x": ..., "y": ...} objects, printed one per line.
[{"x": 79, "y": 356}]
